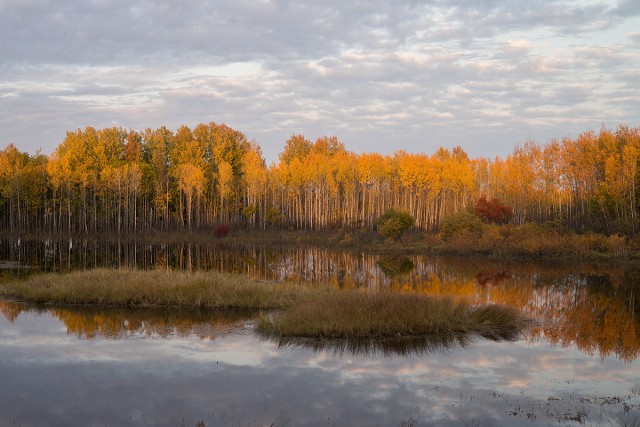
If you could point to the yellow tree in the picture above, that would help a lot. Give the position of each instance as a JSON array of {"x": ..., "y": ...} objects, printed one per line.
[
  {"x": 296, "y": 147},
  {"x": 225, "y": 188},
  {"x": 12, "y": 161},
  {"x": 255, "y": 175},
  {"x": 191, "y": 183},
  {"x": 187, "y": 164},
  {"x": 34, "y": 184},
  {"x": 106, "y": 150},
  {"x": 59, "y": 173},
  {"x": 630, "y": 174},
  {"x": 158, "y": 145},
  {"x": 372, "y": 171}
]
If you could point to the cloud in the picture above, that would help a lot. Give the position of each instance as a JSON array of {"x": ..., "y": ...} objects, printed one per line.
[
  {"x": 627, "y": 8},
  {"x": 380, "y": 75}
]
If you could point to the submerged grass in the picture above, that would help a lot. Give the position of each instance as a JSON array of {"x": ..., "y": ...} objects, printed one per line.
[
  {"x": 128, "y": 287},
  {"x": 357, "y": 315},
  {"x": 304, "y": 312}
]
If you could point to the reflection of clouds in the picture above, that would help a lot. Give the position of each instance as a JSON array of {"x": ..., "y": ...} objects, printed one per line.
[{"x": 169, "y": 380}]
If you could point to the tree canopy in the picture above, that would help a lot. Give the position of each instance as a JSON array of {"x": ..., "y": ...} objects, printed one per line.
[{"x": 117, "y": 180}]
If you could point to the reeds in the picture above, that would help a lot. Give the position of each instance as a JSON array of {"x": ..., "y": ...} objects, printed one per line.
[
  {"x": 304, "y": 312},
  {"x": 358, "y": 315},
  {"x": 129, "y": 287}
]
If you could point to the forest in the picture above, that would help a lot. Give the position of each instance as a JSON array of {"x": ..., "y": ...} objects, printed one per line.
[{"x": 122, "y": 181}]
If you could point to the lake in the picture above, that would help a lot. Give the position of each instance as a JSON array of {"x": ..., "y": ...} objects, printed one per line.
[{"x": 87, "y": 366}]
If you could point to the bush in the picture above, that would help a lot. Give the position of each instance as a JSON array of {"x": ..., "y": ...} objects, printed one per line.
[
  {"x": 529, "y": 239},
  {"x": 395, "y": 222},
  {"x": 460, "y": 223},
  {"x": 249, "y": 211},
  {"x": 273, "y": 217},
  {"x": 492, "y": 211}
]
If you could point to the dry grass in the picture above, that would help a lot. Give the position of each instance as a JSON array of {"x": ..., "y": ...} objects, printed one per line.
[
  {"x": 357, "y": 315},
  {"x": 128, "y": 287},
  {"x": 306, "y": 312},
  {"x": 532, "y": 240}
]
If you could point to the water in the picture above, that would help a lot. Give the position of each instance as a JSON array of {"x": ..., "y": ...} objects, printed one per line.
[{"x": 88, "y": 366}]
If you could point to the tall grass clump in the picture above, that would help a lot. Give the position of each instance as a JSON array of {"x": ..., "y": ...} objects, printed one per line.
[
  {"x": 128, "y": 287},
  {"x": 358, "y": 315}
]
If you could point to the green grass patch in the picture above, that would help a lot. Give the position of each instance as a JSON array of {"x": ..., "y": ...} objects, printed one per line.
[{"x": 359, "y": 315}]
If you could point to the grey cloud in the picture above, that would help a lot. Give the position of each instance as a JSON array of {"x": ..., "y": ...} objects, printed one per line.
[
  {"x": 380, "y": 75},
  {"x": 113, "y": 31},
  {"x": 86, "y": 32},
  {"x": 627, "y": 8}
]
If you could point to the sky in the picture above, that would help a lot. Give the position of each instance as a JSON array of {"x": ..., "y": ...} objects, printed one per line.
[{"x": 380, "y": 75}]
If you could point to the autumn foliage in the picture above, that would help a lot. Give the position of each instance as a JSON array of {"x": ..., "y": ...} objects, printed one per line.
[
  {"x": 119, "y": 181},
  {"x": 492, "y": 211}
]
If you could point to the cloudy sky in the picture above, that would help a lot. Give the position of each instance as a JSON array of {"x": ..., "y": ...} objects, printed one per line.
[{"x": 381, "y": 75}]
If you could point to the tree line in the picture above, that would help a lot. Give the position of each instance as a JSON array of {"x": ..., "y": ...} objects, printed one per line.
[{"x": 115, "y": 180}]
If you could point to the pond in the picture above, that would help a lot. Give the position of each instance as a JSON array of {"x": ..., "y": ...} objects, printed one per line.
[{"x": 89, "y": 366}]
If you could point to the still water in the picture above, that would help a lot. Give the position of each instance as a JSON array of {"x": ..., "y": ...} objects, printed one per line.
[{"x": 82, "y": 366}]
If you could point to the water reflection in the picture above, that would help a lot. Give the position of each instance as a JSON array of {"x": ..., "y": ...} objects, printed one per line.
[
  {"x": 395, "y": 266},
  {"x": 118, "y": 323},
  {"x": 52, "y": 377},
  {"x": 591, "y": 306},
  {"x": 402, "y": 347},
  {"x": 396, "y": 347}
]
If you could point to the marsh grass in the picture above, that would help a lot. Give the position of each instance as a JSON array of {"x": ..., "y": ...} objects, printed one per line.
[
  {"x": 292, "y": 310},
  {"x": 149, "y": 288},
  {"x": 383, "y": 315}
]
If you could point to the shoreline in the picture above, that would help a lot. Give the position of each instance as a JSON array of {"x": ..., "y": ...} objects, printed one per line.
[{"x": 499, "y": 243}]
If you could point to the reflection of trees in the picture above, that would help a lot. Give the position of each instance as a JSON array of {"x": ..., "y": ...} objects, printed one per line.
[
  {"x": 394, "y": 266},
  {"x": 596, "y": 317},
  {"x": 116, "y": 323},
  {"x": 91, "y": 322},
  {"x": 592, "y": 306},
  {"x": 601, "y": 319},
  {"x": 10, "y": 310}
]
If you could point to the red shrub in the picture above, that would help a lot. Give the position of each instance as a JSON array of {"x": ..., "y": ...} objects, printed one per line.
[
  {"x": 221, "y": 230},
  {"x": 492, "y": 211}
]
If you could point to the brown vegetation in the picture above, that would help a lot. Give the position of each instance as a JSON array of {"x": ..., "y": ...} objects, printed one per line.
[
  {"x": 534, "y": 241},
  {"x": 128, "y": 287},
  {"x": 308, "y": 312},
  {"x": 390, "y": 315}
]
